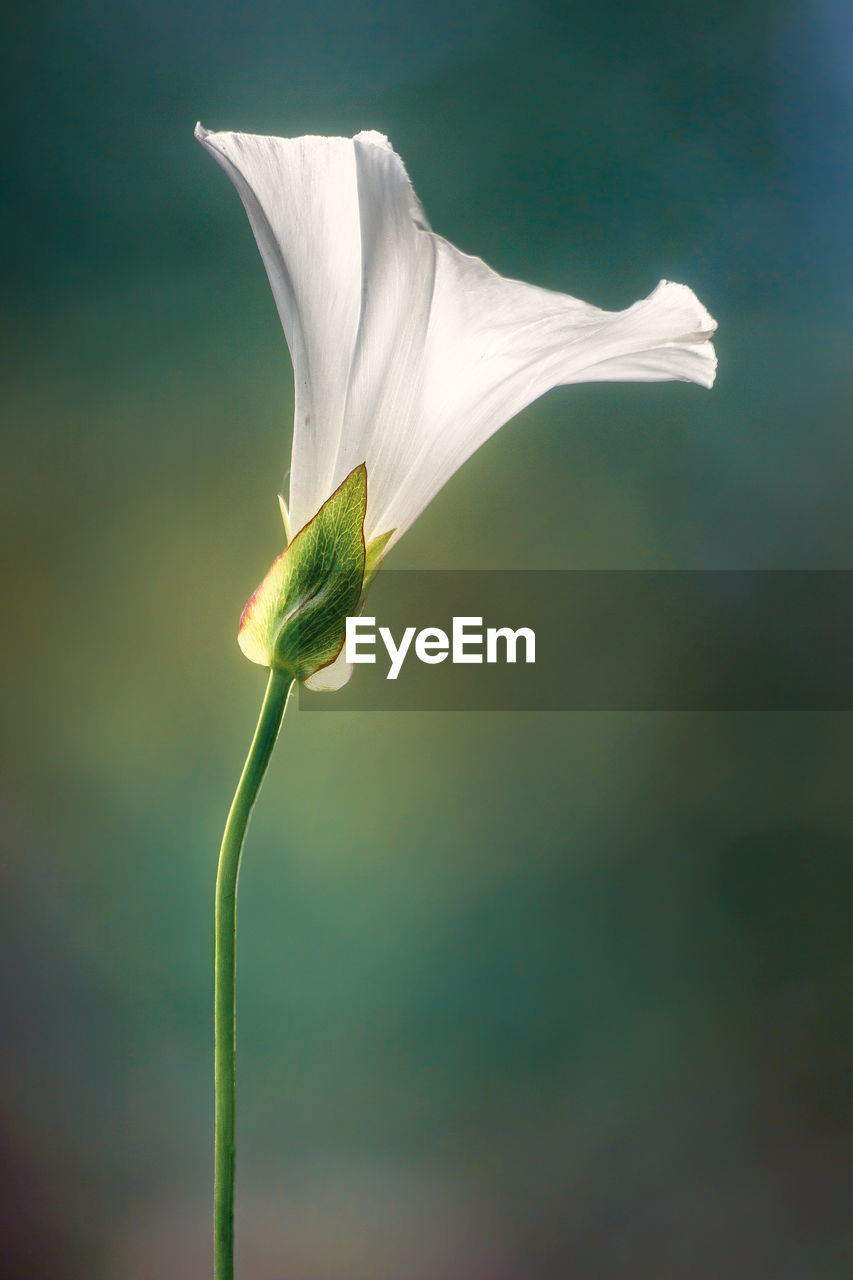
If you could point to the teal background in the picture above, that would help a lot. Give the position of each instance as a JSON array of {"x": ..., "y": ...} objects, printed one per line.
[{"x": 521, "y": 996}]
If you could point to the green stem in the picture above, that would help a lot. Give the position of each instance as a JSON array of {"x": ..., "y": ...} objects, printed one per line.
[{"x": 251, "y": 778}]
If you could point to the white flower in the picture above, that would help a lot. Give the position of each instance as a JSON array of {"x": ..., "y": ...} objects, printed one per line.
[{"x": 407, "y": 353}]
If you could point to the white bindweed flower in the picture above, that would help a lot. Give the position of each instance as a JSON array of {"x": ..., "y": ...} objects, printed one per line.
[{"x": 407, "y": 353}]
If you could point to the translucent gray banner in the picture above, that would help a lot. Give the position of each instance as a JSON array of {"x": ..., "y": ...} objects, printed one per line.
[{"x": 602, "y": 641}]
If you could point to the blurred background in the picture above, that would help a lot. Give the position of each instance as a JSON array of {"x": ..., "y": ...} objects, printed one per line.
[{"x": 526, "y": 995}]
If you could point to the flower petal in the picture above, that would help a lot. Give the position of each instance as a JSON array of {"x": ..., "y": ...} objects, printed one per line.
[
  {"x": 407, "y": 353},
  {"x": 343, "y": 239},
  {"x": 302, "y": 200},
  {"x": 331, "y": 678},
  {"x": 398, "y": 255},
  {"x": 495, "y": 345}
]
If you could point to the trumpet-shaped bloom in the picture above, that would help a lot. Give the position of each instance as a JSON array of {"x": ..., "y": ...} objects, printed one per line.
[{"x": 407, "y": 353}]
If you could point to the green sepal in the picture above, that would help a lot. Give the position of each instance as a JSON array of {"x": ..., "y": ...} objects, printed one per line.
[
  {"x": 296, "y": 620},
  {"x": 373, "y": 555}
]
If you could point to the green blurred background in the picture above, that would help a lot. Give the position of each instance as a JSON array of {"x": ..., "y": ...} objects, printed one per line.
[{"x": 521, "y": 996}]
